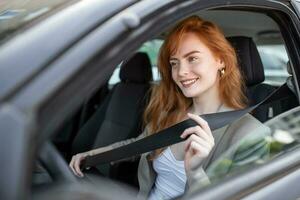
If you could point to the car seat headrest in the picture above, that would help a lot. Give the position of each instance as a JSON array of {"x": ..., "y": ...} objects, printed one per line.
[
  {"x": 248, "y": 58},
  {"x": 136, "y": 69}
]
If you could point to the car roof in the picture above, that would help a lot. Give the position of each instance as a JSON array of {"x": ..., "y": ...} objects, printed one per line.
[
  {"x": 16, "y": 15},
  {"x": 260, "y": 27},
  {"x": 32, "y": 59}
]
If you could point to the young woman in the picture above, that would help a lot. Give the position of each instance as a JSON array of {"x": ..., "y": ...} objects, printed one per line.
[{"x": 199, "y": 75}]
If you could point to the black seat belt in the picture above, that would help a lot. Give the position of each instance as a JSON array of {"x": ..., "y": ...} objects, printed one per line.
[{"x": 172, "y": 134}]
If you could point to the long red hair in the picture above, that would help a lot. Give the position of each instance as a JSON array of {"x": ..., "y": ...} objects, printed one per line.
[{"x": 168, "y": 105}]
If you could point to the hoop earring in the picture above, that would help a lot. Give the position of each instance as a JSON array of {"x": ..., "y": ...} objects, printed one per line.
[{"x": 222, "y": 72}]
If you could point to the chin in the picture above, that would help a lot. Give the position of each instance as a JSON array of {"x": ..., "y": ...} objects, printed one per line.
[{"x": 190, "y": 94}]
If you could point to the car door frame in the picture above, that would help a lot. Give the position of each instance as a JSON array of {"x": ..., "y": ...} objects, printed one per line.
[{"x": 38, "y": 107}]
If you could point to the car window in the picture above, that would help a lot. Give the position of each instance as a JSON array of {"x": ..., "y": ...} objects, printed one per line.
[
  {"x": 274, "y": 59},
  {"x": 273, "y": 56},
  {"x": 151, "y": 48},
  {"x": 278, "y": 136},
  {"x": 263, "y": 144}
]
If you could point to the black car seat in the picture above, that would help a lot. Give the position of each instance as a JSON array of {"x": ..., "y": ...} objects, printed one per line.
[
  {"x": 123, "y": 116},
  {"x": 252, "y": 69},
  {"x": 120, "y": 117},
  {"x": 85, "y": 137}
]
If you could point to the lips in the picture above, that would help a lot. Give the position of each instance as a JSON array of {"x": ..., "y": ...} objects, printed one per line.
[{"x": 189, "y": 82}]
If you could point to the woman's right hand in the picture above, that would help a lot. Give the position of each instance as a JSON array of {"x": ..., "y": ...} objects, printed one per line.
[{"x": 76, "y": 162}]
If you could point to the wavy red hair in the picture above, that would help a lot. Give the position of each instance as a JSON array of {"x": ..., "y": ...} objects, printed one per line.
[{"x": 168, "y": 105}]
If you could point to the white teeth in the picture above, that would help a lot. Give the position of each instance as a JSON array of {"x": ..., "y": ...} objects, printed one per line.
[{"x": 189, "y": 82}]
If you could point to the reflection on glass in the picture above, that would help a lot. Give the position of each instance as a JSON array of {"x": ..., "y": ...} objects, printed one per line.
[{"x": 259, "y": 147}]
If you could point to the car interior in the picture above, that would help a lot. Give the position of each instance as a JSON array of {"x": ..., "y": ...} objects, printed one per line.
[{"x": 115, "y": 111}]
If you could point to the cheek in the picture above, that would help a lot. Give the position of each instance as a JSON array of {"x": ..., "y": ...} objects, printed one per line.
[
  {"x": 174, "y": 75},
  {"x": 213, "y": 71},
  {"x": 213, "y": 74},
  {"x": 209, "y": 68},
  {"x": 202, "y": 69}
]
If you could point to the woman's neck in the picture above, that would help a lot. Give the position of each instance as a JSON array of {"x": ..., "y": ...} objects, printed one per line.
[
  {"x": 200, "y": 109},
  {"x": 207, "y": 105}
]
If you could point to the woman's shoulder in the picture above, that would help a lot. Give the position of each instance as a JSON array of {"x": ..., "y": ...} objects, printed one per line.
[
  {"x": 246, "y": 121},
  {"x": 246, "y": 125}
]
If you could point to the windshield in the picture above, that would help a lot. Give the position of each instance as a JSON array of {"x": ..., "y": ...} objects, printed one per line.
[{"x": 14, "y": 14}]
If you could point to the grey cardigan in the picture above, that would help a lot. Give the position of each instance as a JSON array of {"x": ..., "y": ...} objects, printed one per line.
[{"x": 224, "y": 138}]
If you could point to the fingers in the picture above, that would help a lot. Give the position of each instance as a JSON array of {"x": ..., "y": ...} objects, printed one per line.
[
  {"x": 198, "y": 149},
  {"x": 197, "y": 146},
  {"x": 75, "y": 164},
  {"x": 195, "y": 155},
  {"x": 71, "y": 165},
  {"x": 198, "y": 140},
  {"x": 203, "y": 124},
  {"x": 202, "y": 130},
  {"x": 197, "y": 130}
]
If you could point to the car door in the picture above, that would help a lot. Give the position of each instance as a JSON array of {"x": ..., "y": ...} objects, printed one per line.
[{"x": 271, "y": 176}]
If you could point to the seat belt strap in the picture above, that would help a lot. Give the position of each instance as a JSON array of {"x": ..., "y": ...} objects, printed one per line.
[{"x": 171, "y": 135}]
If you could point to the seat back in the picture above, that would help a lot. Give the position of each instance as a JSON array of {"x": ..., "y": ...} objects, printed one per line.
[
  {"x": 253, "y": 72},
  {"x": 120, "y": 116},
  {"x": 123, "y": 116}
]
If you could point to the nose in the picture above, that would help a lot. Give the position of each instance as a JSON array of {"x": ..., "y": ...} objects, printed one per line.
[{"x": 183, "y": 69}]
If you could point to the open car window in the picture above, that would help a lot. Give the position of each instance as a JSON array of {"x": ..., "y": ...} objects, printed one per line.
[
  {"x": 278, "y": 136},
  {"x": 261, "y": 146},
  {"x": 151, "y": 48}
]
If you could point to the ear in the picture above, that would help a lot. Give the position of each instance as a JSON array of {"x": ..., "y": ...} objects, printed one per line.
[{"x": 221, "y": 64}]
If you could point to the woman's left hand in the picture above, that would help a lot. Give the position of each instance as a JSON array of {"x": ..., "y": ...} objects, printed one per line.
[{"x": 199, "y": 144}]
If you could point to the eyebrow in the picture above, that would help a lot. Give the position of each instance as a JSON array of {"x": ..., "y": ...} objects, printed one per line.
[{"x": 187, "y": 54}]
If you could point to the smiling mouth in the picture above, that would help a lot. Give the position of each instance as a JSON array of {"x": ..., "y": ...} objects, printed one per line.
[{"x": 188, "y": 83}]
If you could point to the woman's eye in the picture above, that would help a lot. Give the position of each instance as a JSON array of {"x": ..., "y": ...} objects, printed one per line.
[
  {"x": 193, "y": 59},
  {"x": 173, "y": 64}
]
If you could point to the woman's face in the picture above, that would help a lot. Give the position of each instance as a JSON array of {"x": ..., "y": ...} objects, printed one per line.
[{"x": 194, "y": 67}]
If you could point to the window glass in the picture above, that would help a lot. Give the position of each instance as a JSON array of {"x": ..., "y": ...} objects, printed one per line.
[
  {"x": 264, "y": 144},
  {"x": 152, "y": 49},
  {"x": 274, "y": 59}
]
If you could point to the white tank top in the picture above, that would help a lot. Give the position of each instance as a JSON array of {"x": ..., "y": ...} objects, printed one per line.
[{"x": 171, "y": 178}]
